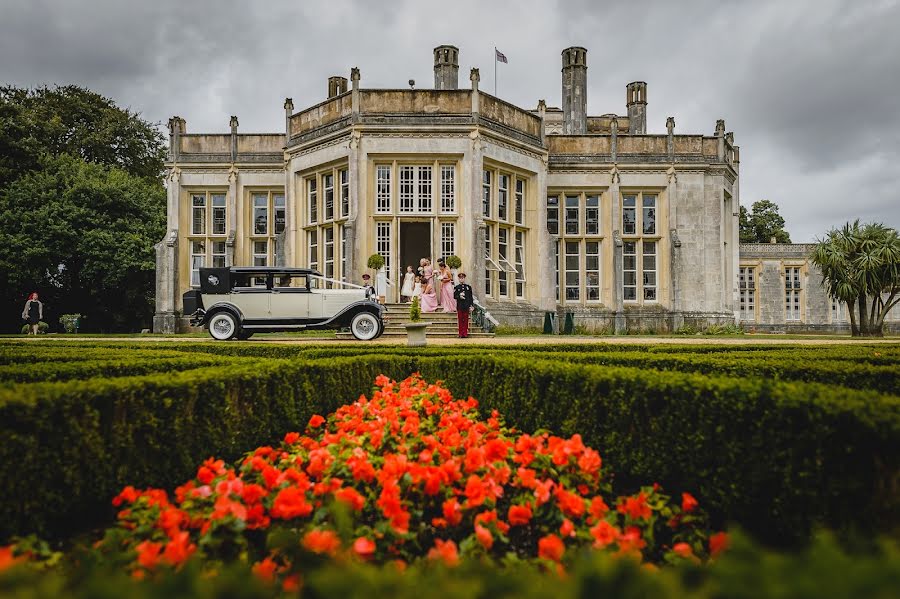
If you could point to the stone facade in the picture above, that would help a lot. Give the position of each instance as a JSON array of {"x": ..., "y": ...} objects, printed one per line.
[
  {"x": 780, "y": 291},
  {"x": 550, "y": 210}
]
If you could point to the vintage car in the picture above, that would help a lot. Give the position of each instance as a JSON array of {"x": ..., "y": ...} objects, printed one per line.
[{"x": 238, "y": 301}]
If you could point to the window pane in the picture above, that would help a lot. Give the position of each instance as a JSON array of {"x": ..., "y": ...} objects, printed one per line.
[
  {"x": 312, "y": 200},
  {"x": 218, "y": 214},
  {"x": 572, "y": 271},
  {"x": 592, "y": 215},
  {"x": 260, "y": 214},
  {"x": 648, "y": 267},
  {"x": 313, "y": 239},
  {"x": 520, "y": 200},
  {"x": 425, "y": 189},
  {"x": 345, "y": 193},
  {"x": 328, "y": 187},
  {"x": 448, "y": 189},
  {"x": 628, "y": 215},
  {"x": 502, "y": 196},
  {"x": 553, "y": 215},
  {"x": 198, "y": 214},
  {"x": 407, "y": 188},
  {"x": 383, "y": 188},
  {"x": 649, "y": 216},
  {"x": 486, "y": 194},
  {"x": 279, "y": 213},
  {"x": 572, "y": 216}
]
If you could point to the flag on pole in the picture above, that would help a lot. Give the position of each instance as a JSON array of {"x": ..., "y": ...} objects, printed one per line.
[{"x": 501, "y": 57}]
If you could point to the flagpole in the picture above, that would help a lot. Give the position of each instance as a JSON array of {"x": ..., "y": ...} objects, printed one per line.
[{"x": 495, "y": 71}]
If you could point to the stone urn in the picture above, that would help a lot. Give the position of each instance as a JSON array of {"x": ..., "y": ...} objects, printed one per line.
[{"x": 415, "y": 333}]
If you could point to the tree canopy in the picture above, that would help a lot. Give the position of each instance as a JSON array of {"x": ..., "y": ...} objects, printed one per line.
[
  {"x": 860, "y": 267},
  {"x": 75, "y": 121},
  {"x": 762, "y": 223},
  {"x": 81, "y": 206}
]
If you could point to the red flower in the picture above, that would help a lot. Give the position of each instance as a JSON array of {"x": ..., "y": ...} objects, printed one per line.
[
  {"x": 364, "y": 548},
  {"x": 452, "y": 512},
  {"x": 551, "y": 547},
  {"x": 567, "y": 529},
  {"x": 291, "y": 503},
  {"x": 570, "y": 503},
  {"x": 291, "y": 438},
  {"x": 148, "y": 554},
  {"x": 519, "y": 515},
  {"x": 683, "y": 550},
  {"x": 315, "y": 421},
  {"x": 476, "y": 492},
  {"x": 718, "y": 543},
  {"x": 322, "y": 541},
  {"x": 590, "y": 461},
  {"x": 688, "y": 503},
  {"x": 598, "y": 508},
  {"x": 635, "y": 508},
  {"x": 265, "y": 570},
  {"x": 253, "y": 493},
  {"x": 351, "y": 497},
  {"x": 630, "y": 541},
  {"x": 445, "y": 551},
  {"x": 128, "y": 495},
  {"x": 7, "y": 559},
  {"x": 604, "y": 534},
  {"x": 179, "y": 549},
  {"x": 484, "y": 537}
]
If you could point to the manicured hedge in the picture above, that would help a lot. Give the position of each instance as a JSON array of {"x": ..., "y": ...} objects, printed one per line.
[
  {"x": 778, "y": 457},
  {"x": 744, "y": 571}
]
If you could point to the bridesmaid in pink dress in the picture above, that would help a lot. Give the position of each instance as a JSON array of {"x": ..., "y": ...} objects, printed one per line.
[
  {"x": 428, "y": 300},
  {"x": 448, "y": 303}
]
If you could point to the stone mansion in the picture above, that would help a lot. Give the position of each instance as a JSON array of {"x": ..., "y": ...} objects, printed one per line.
[{"x": 549, "y": 209}]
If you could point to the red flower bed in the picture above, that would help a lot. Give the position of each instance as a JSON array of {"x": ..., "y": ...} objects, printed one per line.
[{"x": 410, "y": 473}]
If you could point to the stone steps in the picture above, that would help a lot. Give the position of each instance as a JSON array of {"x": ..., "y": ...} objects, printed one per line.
[{"x": 443, "y": 324}]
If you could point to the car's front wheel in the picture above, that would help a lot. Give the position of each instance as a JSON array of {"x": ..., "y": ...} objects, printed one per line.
[
  {"x": 365, "y": 326},
  {"x": 223, "y": 326}
]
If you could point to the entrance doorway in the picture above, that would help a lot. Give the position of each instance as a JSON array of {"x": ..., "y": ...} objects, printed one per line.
[{"x": 415, "y": 244}]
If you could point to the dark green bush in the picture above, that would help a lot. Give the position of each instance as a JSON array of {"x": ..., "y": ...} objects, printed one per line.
[
  {"x": 778, "y": 457},
  {"x": 745, "y": 571}
]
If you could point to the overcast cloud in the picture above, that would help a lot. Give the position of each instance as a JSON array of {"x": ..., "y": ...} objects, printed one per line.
[{"x": 811, "y": 89}]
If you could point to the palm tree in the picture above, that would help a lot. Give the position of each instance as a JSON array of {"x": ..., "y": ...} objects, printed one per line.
[{"x": 860, "y": 267}]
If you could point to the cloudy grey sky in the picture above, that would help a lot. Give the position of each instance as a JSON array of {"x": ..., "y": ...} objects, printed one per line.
[{"x": 811, "y": 89}]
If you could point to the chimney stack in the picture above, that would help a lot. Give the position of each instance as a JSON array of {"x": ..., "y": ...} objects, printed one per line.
[
  {"x": 574, "y": 90},
  {"x": 446, "y": 67},
  {"x": 336, "y": 86},
  {"x": 636, "y": 103}
]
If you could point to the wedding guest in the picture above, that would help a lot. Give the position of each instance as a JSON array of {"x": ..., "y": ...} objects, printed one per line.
[
  {"x": 446, "y": 278},
  {"x": 33, "y": 312},
  {"x": 406, "y": 291},
  {"x": 462, "y": 293},
  {"x": 417, "y": 288},
  {"x": 428, "y": 301}
]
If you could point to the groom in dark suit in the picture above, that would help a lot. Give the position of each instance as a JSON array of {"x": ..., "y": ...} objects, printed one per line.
[{"x": 462, "y": 293}]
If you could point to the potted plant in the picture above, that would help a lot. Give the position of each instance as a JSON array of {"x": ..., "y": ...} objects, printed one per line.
[
  {"x": 415, "y": 328},
  {"x": 454, "y": 263},
  {"x": 376, "y": 263}
]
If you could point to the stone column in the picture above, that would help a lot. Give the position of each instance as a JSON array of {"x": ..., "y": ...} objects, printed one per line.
[
  {"x": 720, "y": 133},
  {"x": 475, "y": 77},
  {"x": 670, "y": 138},
  {"x": 354, "y": 95},
  {"x": 675, "y": 266},
  {"x": 357, "y": 205},
  {"x": 233, "y": 124},
  {"x": 614, "y": 139},
  {"x": 232, "y": 204},
  {"x": 618, "y": 258},
  {"x": 471, "y": 216}
]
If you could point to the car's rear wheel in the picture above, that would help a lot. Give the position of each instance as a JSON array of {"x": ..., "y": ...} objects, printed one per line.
[
  {"x": 365, "y": 326},
  {"x": 223, "y": 326}
]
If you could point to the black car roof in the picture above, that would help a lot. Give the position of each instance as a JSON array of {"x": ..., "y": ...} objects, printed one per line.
[{"x": 260, "y": 270}]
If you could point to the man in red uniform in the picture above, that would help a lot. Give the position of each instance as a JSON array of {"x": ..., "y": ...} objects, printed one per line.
[{"x": 462, "y": 293}]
